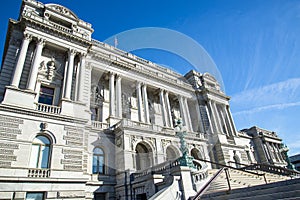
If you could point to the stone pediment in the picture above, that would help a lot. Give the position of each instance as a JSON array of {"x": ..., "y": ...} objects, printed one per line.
[{"x": 62, "y": 10}]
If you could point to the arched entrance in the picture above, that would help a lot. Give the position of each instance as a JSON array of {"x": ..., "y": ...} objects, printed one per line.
[
  {"x": 143, "y": 156},
  {"x": 171, "y": 153},
  {"x": 196, "y": 154}
]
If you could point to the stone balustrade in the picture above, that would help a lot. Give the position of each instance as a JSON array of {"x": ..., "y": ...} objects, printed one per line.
[
  {"x": 47, "y": 108},
  {"x": 99, "y": 125},
  {"x": 39, "y": 173},
  {"x": 157, "y": 169}
]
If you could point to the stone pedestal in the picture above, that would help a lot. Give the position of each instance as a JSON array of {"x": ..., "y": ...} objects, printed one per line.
[
  {"x": 17, "y": 97},
  {"x": 186, "y": 181},
  {"x": 73, "y": 109}
]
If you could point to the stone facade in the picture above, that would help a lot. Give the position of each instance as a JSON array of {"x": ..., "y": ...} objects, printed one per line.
[{"x": 78, "y": 117}]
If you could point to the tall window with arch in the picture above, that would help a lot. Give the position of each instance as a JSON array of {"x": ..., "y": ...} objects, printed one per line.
[
  {"x": 40, "y": 152},
  {"x": 98, "y": 161}
]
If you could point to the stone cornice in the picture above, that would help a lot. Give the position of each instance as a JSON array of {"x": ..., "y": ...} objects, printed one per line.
[
  {"x": 123, "y": 65},
  {"x": 55, "y": 32}
]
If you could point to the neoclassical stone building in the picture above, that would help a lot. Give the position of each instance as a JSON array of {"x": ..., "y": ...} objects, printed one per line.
[{"x": 79, "y": 118}]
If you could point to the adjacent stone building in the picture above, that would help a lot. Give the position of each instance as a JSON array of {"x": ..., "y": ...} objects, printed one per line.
[{"x": 78, "y": 117}]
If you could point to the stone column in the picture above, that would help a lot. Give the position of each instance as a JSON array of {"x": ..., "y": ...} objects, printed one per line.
[
  {"x": 163, "y": 107},
  {"x": 21, "y": 60},
  {"x": 231, "y": 120},
  {"x": 228, "y": 120},
  {"x": 118, "y": 97},
  {"x": 188, "y": 116},
  {"x": 68, "y": 88},
  {"x": 218, "y": 117},
  {"x": 182, "y": 112},
  {"x": 146, "y": 108},
  {"x": 168, "y": 109},
  {"x": 36, "y": 63},
  {"x": 81, "y": 78},
  {"x": 214, "y": 118},
  {"x": 223, "y": 120},
  {"x": 139, "y": 99},
  {"x": 112, "y": 94},
  {"x": 210, "y": 119}
]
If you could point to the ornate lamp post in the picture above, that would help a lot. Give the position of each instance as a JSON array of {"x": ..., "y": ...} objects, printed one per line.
[{"x": 185, "y": 159}]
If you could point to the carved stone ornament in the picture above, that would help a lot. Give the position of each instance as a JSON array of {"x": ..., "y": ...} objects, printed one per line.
[
  {"x": 119, "y": 142},
  {"x": 49, "y": 70},
  {"x": 44, "y": 126}
]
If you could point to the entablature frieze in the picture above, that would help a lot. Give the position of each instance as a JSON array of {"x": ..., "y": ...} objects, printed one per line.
[
  {"x": 136, "y": 75},
  {"x": 54, "y": 33},
  {"x": 220, "y": 99}
]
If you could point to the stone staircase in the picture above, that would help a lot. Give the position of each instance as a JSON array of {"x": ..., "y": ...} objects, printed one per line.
[
  {"x": 285, "y": 190},
  {"x": 240, "y": 179}
]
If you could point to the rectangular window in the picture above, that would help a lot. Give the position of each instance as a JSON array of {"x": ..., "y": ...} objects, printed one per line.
[
  {"x": 35, "y": 196},
  {"x": 99, "y": 196},
  {"x": 46, "y": 95}
]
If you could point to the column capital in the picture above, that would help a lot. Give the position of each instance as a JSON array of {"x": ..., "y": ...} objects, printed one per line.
[
  {"x": 27, "y": 36},
  {"x": 144, "y": 86},
  {"x": 72, "y": 52},
  {"x": 83, "y": 54},
  {"x": 41, "y": 41},
  {"x": 138, "y": 84},
  {"x": 111, "y": 73},
  {"x": 118, "y": 77}
]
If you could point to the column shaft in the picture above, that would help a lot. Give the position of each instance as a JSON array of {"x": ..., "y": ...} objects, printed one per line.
[
  {"x": 36, "y": 63},
  {"x": 146, "y": 108},
  {"x": 112, "y": 94},
  {"x": 68, "y": 88},
  {"x": 21, "y": 60},
  {"x": 224, "y": 121},
  {"x": 182, "y": 113},
  {"x": 228, "y": 120},
  {"x": 118, "y": 97},
  {"x": 231, "y": 120},
  {"x": 163, "y": 107},
  {"x": 214, "y": 118},
  {"x": 168, "y": 109},
  {"x": 139, "y": 99},
  {"x": 81, "y": 78},
  {"x": 218, "y": 117},
  {"x": 188, "y": 116}
]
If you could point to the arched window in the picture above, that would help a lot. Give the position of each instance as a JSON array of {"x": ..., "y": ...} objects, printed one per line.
[
  {"x": 98, "y": 161},
  {"x": 40, "y": 152}
]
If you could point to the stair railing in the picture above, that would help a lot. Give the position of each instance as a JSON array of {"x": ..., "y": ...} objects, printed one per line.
[
  {"x": 224, "y": 168},
  {"x": 206, "y": 186},
  {"x": 235, "y": 168},
  {"x": 272, "y": 169}
]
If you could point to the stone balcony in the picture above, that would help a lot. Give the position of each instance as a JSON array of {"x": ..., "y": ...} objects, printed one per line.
[{"x": 47, "y": 108}]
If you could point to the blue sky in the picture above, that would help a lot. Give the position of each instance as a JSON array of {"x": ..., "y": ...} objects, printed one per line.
[{"x": 255, "y": 45}]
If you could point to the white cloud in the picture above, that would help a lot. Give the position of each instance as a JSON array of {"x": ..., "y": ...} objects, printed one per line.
[
  {"x": 274, "y": 96},
  {"x": 268, "y": 107}
]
